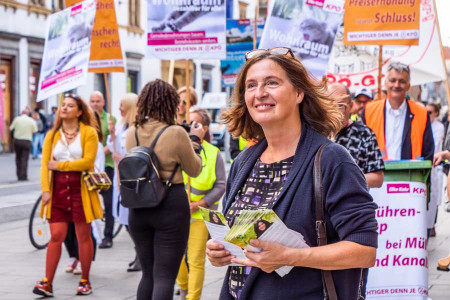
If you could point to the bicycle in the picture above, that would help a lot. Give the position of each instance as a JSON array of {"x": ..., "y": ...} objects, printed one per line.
[{"x": 39, "y": 230}]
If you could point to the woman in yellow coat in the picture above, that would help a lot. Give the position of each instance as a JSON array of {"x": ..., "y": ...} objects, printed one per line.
[{"x": 69, "y": 149}]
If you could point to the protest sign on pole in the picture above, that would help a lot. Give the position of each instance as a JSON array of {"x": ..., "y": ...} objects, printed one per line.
[
  {"x": 389, "y": 22},
  {"x": 240, "y": 38},
  {"x": 357, "y": 66},
  {"x": 106, "y": 52},
  {"x": 305, "y": 27},
  {"x": 66, "y": 50},
  {"x": 186, "y": 30}
]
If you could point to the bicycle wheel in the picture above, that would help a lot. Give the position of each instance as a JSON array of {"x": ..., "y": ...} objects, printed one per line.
[{"x": 38, "y": 230}]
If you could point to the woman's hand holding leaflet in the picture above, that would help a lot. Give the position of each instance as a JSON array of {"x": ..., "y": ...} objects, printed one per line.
[
  {"x": 217, "y": 254},
  {"x": 271, "y": 257}
]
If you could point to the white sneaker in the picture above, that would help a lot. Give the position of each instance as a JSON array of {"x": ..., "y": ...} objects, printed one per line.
[
  {"x": 77, "y": 270},
  {"x": 71, "y": 265}
]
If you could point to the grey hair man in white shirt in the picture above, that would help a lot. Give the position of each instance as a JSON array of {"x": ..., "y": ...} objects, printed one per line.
[{"x": 402, "y": 127}]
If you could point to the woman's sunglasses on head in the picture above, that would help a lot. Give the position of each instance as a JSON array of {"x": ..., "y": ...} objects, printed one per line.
[
  {"x": 72, "y": 95},
  {"x": 274, "y": 51}
]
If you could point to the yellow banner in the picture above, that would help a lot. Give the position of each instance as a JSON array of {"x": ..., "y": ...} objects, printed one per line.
[
  {"x": 381, "y": 22},
  {"x": 106, "y": 53}
]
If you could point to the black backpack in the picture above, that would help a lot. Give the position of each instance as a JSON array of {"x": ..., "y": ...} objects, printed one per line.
[{"x": 140, "y": 184}]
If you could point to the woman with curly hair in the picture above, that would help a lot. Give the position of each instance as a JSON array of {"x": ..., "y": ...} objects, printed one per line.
[
  {"x": 291, "y": 115},
  {"x": 160, "y": 234}
]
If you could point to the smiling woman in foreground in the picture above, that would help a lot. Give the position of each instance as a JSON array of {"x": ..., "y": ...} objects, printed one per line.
[{"x": 277, "y": 103}]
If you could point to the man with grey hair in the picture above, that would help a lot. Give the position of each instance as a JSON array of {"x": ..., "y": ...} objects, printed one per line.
[
  {"x": 97, "y": 103},
  {"x": 357, "y": 138},
  {"x": 402, "y": 127}
]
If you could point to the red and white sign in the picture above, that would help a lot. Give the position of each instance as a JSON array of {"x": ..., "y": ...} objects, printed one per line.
[
  {"x": 401, "y": 267},
  {"x": 357, "y": 66}
]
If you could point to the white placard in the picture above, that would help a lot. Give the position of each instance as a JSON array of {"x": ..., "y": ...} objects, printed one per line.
[
  {"x": 187, "y": 29},
  {"x": 401, "y": 268},
  {"x": 307, "y": 28},
  {"x": 67, "y": 49}
]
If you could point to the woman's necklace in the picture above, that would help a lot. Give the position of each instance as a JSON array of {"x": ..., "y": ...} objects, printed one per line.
[{"x": 71, "y": 135}]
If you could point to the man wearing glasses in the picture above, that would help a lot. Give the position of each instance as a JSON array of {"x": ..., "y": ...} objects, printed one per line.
[
  {"x": 402, "y": 127},
  {"x": 361, "y": 98},
  {"x": 357, "y": 138}
]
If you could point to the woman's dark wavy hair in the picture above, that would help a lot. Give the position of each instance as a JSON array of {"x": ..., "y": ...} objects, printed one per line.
[
  {"x": 317, "y": 108},
  {"x": 158, "y": 100}
]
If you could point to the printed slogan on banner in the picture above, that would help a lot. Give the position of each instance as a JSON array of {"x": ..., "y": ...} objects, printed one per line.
[
  {"x": 381, "y": 22},
  {"x": 401, "y": 267},
  {"x": 106, "y": 52},
  {"x": 188, "y": 29}
]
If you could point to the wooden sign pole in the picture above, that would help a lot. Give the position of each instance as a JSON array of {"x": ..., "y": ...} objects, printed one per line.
[
  {"x": 255, "y": 25},
  {"x": 108, "y": 101},
  {"x": 188, "y": 117},
  {"x": 380, "y": 70},
  {"x": 171, "y": 71},
  {"x": 108, "y": 98},
  {"x": 188, "y": 90}
]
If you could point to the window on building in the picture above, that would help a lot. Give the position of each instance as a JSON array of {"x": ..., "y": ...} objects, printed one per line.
[
  {"x": 134, "y": 12},
  {"x": 262, "y": 12},
  {"x": 243, "y": 9},
  {"x": 59, "y": 4},
  {"x": 37, "y": 2},
  {"x": 206, "y": 85},
  {"x": 132, "y": 82}
]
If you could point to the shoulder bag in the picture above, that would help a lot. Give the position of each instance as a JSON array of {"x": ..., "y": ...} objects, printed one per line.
[
  {"x": 140, "y": 183},
  {"x": 329, "y": 290}
]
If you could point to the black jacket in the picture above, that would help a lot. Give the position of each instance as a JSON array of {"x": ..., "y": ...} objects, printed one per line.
[{"x": 349, "y": 213}]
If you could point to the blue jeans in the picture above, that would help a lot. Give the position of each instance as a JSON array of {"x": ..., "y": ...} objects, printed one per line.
[{"x": 38, "y": 142}]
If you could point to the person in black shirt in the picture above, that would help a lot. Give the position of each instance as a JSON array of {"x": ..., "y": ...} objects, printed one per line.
[{"x": 358, "y": 139}]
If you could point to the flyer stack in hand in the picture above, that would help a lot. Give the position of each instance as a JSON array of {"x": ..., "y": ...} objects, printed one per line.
[{"x": 262, "y": 224}]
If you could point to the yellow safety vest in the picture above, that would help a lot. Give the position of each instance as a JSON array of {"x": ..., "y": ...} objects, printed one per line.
[
  {"x": 242, "y": 143},
  {"x": 204, "y": 182}
]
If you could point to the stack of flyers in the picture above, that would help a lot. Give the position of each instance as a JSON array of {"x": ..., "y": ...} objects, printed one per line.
[
  {"x": 218, "y": 228},
  {"x": 262, "y": 224}
]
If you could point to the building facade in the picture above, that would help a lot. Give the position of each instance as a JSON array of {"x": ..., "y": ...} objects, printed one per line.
[{"x": 23, "y": 25}]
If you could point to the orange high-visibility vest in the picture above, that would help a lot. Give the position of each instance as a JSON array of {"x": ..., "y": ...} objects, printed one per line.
[{"x": 374, "y": 116}]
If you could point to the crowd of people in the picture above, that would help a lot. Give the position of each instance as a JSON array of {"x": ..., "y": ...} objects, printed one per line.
[{"x": 280, "y": 119}]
